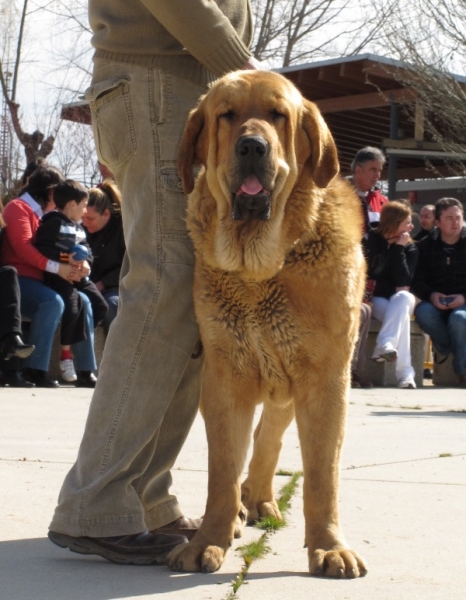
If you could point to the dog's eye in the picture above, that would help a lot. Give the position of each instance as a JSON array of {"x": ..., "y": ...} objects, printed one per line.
[
  {"x": 228, "y": 116},
  {"x": 276, "y": 115}
]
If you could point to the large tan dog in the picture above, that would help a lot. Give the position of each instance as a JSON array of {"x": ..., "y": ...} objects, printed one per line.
[{"x": 278, "y": 285}]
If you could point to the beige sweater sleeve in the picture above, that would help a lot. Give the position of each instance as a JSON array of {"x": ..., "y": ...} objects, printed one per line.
[{"x": 204, "y": 31}]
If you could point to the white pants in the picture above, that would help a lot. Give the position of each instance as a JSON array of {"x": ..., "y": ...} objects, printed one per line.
[{"x": 395, "y": 316}]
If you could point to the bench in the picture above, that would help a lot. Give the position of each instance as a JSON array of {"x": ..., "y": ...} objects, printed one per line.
[
  {"x": 443, "y": 375},
  {"x": 383, "y": 374}
]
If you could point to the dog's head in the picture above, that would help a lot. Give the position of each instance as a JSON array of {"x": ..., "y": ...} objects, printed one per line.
[
  {"x": 266, "y": 154},
  {"x": 254, "y": 133}
]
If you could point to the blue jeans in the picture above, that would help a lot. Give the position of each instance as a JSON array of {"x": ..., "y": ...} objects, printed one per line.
[
  {"x": 147, "y": 394},
  {"x": 83, "y": 352},
  {"x": 111, "y": 297},
  {"x": 447, "y": 330},
  {"x": 44, "y": 307}
]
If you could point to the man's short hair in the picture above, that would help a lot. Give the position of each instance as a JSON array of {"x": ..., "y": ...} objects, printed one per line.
[
  {"x": 365, "y": 155},
  {"x": 430, "y": 207},
  {"x": 67, "y": 191},
  {"x": 444, "y": 203}
]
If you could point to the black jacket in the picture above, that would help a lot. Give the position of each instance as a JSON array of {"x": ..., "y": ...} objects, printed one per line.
[
  {"x": 439, "y": 270},
  {"x": 57, "y": 234},
  {"x": 390, "y": 265},
  {"x": 108, "y": 248},
  {"x": 420, "y": 235}
]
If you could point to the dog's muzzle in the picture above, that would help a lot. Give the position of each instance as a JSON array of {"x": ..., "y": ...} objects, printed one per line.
[
  {"x": 251, "y": 201},
  {"x": 248, "y": 208}
]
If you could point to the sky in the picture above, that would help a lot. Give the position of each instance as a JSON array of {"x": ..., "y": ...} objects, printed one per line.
[
  {"x": 51, "y": 44},
  {"x": 43, "y": 81},
  {"x": 46, "y": 81}
]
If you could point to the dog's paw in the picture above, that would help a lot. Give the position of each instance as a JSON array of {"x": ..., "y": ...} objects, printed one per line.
[
  {"x": 193, "y": 557},
  {"x": 257, "y": 510},
  {"x": 341, "y": 564},
  {"x": 241, "y": 519}
]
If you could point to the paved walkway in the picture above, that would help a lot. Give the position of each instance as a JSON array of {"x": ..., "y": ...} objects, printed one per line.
[{"x": 403, "y": 497}]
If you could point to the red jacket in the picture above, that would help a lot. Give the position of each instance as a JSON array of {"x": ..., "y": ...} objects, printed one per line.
[
  {"x": 375, "y": 200},
  {"x": 17, "y": 249}
]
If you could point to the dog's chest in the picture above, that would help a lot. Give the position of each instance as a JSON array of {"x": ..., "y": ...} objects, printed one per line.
[{"x": 255, "y": 323}]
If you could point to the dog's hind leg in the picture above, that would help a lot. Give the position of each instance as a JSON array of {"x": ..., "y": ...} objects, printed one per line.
[
  {"x": 228, "y": 414},
  {"x": 257, "y": 493}
]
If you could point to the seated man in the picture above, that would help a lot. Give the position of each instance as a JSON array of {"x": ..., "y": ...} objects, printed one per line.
[
  {"x": 440, "y": 282},
  {"x": 427, "y": 222},
  {"x": 366, "y": 169}
]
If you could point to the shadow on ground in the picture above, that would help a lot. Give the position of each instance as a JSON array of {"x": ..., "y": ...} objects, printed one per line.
[
  {"x": 421, "y": 414},
  {"x": 34, "y": 568}
]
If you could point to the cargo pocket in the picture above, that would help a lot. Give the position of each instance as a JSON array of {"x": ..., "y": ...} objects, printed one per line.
[
  {"x": 174, "y": 202},
  {"x": 112, "y": 120}
]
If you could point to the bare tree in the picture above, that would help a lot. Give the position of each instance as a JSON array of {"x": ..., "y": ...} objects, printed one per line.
[
  {"x": 75, "y": 153},
  {"x": 35, "y": 144},
  {"x": 431, "y": 39},
  {"x": 66, "y": 78},
  {"x": 72, "y": 51},
  {"x": 295, "y": 31}
]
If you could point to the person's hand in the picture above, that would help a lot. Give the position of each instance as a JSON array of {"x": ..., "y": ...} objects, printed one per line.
[
  {"x": 66, "y": 272},
  {"x": 253, "y": 63},
  {"x": 100, "y": 286},
  {"x": 437, "y": 300},
  {"x": 458, "y": 300},
  {"x": 402, "y": 239},
  {"x": 84, "y": 268},
  {"x": 402, "y": 288}
]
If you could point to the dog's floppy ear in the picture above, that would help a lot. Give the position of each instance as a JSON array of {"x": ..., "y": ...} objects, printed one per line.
[
  {"x": 188, "y": 155},
  {"x": 324, "y": 156}
]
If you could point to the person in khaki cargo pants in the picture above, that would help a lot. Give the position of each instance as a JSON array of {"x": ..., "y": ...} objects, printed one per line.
[{"x": 153, "y": 60}]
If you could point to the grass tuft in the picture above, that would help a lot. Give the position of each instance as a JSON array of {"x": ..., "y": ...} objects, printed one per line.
[
  {"x": 260, "y": 547},
  {"x": 270, "y": 523},
  {"x": 284, "y": 472}
]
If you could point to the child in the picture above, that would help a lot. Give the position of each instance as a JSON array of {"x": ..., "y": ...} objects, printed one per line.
[{"x": 59, "y": 231}]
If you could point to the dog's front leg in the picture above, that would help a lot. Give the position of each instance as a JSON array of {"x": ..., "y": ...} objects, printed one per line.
[
  {"x": 228, "y": 416},
  {"x": 321, "y": 423}
]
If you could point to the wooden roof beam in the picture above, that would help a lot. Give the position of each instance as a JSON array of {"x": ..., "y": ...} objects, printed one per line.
[
  {"x": 362, "y": 101},
  {"x": 422, "y": 173},
  {"x": 419, "y": 120},
  {"x": 383, "y": 70},
  {"x": 411, "y": 144}
]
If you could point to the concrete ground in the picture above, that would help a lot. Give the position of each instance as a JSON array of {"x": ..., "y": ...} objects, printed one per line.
[{"x": 402, "y": 497}]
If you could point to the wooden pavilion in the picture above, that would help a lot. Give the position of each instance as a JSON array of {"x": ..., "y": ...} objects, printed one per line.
[{"x": 364, "y": 102}]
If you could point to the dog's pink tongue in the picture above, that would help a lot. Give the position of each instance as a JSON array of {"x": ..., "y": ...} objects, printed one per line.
[{"x": 251, "y": 186}]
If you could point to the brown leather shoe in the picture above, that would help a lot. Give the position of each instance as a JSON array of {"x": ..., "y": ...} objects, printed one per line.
[
  {"x": 182, "y": 526},
  {"x": 139, "y": 549}
]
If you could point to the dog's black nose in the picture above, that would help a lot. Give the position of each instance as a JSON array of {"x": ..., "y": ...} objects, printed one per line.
[{"x": 253, "y": 146}]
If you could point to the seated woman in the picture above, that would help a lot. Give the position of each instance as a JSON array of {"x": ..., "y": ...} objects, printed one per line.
[
  {"x": 61, "y": 237},
  {"x": 391, "y": 260},
  {"x": 104, "y": 232},
  {"x": 42, "y": 305}
]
